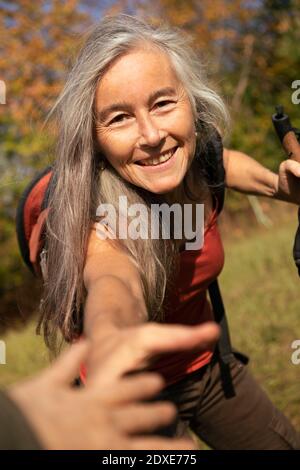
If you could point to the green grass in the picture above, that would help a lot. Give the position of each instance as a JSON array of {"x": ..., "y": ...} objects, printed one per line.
[
  {"x": 261, "y": 290},
  {"x": 25, "y": 355}
]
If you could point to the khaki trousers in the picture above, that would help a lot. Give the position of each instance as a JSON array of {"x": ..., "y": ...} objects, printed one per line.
[{"x": 246, "y": 421}]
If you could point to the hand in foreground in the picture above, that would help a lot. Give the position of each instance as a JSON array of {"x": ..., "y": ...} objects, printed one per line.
[
  {"x": 136, "y": 348},
  {"x": 108, "y": 413}
]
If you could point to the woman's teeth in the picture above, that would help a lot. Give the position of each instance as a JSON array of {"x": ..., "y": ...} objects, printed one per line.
[{"x": 158, "y": 160}]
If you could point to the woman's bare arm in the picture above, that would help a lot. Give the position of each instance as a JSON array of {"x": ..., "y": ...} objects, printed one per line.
[
  {"x": 114, "y": 291},
  {"x": 246, "y": 175}
]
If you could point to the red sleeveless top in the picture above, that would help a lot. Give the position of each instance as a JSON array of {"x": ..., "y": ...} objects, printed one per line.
[{"x": 188, "y": 303}]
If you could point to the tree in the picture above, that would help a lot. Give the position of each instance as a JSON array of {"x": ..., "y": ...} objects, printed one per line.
[{"x": 38, "y": 43}]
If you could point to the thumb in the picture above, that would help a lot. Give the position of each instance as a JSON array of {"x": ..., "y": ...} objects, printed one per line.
[{"x": 66, "y": 367}]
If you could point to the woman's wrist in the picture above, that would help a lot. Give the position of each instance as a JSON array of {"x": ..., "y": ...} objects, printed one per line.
[{"x": 101, "y": 326}]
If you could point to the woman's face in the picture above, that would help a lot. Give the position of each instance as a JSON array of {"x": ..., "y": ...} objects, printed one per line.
[{"x": 145, "y": 126}]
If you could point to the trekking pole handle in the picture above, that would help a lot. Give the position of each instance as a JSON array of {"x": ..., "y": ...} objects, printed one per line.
[{"x": 286, "y": 134}]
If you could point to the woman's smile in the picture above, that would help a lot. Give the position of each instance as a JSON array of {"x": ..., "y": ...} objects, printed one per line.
[{"x": 163, "y": 162}]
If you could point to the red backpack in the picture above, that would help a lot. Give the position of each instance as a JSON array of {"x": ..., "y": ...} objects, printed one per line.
[{"x": 30, "y": 220}]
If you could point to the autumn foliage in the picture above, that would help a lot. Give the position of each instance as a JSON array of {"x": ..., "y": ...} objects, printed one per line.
[{"x": 250, "y": 48}]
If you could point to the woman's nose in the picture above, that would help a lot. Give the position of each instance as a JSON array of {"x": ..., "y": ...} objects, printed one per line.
[{"x": 150, "y": 134}]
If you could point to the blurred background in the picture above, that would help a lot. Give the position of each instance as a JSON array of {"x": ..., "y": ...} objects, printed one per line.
[{"x": 251, "y": 52}]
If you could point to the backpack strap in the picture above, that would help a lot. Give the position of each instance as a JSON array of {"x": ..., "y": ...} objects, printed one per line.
[
  {"x": 223, "y": 352},
  {"x": 214, "y": 172},
  {"x": 224, "y": 344}
]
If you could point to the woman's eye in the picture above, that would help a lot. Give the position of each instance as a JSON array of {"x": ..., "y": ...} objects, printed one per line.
[
  {"x": 119, "y": 118},
  {"x": 163, "y": 103}
]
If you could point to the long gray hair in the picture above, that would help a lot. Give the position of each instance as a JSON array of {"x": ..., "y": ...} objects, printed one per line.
[{"x": 79, "y": 188}]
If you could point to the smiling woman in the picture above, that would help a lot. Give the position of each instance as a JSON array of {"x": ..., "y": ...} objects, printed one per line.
[
  {"x": 135, "y": 96},
  {"x": 137, "y": 120}
]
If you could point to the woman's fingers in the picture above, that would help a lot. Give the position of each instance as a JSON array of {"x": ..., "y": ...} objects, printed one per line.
[
  {"x": 291, "y": 166},
  {"x": 144, "y": 418},
  {"x": 288, "y": 187}
]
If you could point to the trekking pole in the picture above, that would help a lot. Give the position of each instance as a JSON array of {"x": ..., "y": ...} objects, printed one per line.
[{"x": 290, "y": 140}]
